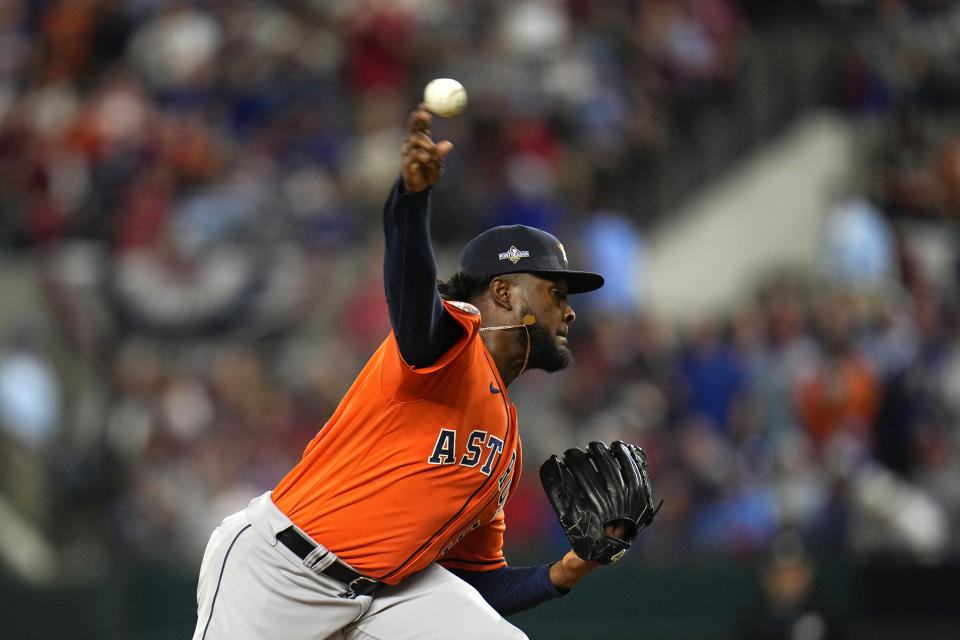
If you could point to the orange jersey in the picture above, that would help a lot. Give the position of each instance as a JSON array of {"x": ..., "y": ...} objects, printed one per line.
[{"x": 414, "y": 464}]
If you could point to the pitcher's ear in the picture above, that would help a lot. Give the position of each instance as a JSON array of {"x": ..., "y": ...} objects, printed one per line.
[{"x": 499, "y": 290}]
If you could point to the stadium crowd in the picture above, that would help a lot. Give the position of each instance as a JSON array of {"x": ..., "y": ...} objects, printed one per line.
[{"x": 198, "y": 185}]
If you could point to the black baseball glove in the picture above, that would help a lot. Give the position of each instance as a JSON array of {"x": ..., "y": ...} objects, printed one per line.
[{"x": 595, "y": 488}]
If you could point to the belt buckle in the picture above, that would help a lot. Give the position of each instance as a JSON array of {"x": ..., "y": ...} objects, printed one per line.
[{"x": 358, "y": 588}]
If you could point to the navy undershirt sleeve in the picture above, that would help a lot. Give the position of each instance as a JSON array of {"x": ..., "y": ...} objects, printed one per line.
[
  {"x": 423, "y": 328},
  {"x": 512, "y": 589}
]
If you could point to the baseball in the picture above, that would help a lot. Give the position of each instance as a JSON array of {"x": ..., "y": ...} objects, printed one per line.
[{"x": 445, "y": 97}]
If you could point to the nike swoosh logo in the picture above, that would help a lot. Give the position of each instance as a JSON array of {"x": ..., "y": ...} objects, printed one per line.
[{"x": 493, "y": 388}]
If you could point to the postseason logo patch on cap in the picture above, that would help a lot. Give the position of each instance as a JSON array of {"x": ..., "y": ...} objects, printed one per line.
[{"x": 514, "y": 255}]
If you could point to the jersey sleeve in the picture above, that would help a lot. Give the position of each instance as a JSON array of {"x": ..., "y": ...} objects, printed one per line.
[
  {"x": 404, "y": 382},
  {"x": 480, "y": 550}
]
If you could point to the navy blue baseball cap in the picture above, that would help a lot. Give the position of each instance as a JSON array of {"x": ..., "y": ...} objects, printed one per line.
[{"x": 518, "y": 248}]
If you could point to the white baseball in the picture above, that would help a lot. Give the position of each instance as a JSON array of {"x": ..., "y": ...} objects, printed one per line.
[{"x": 445, "y": 97}]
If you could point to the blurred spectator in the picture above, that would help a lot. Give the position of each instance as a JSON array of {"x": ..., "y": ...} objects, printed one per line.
[
  {"x": 612, "y": 245},
  {"x": 890, "y": 517},
  {"x": 31, "y": 419},
  {"x": 711, "y": 373},
  {"x": 842, "y": 392},
  {"x": 858, "y": 245},
  {"x": 948, "y": 177},
  {"x": 907, "y": 178},
  {"x": 791, "y": 608},
  {"x": 30, "y": 392}
]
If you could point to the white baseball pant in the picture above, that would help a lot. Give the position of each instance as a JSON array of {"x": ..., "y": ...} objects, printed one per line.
[{"x": 252, "y": 588}]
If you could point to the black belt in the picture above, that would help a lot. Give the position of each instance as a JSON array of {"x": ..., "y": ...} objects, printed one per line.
[{"x": 357, "y": 583}]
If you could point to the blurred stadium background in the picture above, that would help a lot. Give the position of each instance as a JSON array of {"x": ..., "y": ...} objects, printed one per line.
[{"x": 190, "y": 261}]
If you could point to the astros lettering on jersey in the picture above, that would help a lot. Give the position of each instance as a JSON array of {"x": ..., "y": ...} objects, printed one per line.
[{"x": 415, "y": 465}]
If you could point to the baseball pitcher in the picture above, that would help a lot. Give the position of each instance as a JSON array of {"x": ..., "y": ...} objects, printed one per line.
[{"x": 391, "y": 526}]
